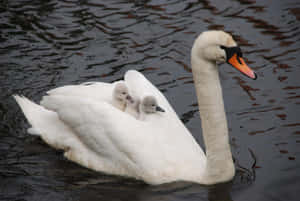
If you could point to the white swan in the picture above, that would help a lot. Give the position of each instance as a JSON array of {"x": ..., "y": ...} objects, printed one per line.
[{"x": 157, "y": 150}]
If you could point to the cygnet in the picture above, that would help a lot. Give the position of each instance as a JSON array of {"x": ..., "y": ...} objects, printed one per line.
[
  {"x": 120, "y": 95},
  {"x": 140, "y": 109}
]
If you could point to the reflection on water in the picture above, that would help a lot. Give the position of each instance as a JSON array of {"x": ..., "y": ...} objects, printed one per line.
[{"x": 45, "y": 44}]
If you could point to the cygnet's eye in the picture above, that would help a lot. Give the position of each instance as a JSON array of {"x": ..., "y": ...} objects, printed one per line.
[
  {"x": 153, "y": 105},
  {"x": 124, "y": 93}
]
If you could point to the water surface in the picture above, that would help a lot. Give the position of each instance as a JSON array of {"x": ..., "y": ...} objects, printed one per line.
[{"x": 46, "y": 44}]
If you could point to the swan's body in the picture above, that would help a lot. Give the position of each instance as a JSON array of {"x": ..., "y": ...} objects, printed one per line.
[{"x": 159, "y": 149}]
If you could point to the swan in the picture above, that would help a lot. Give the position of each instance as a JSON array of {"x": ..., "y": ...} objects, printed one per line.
[
  {"x": 159, "y": 149},
  {"x": 140, "y": 109}
]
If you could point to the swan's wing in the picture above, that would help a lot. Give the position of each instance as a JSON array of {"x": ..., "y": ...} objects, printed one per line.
[
  {"x": 77, "y": 89},
  {"x": 139, "y": 86},
  {"x": 94, "y": 90},
  {"x": 175, "y": 131},
  {"x": 109, "y": 132}
]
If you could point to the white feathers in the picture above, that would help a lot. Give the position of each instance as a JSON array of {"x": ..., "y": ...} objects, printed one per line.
[{"x": 114, "y": 93}]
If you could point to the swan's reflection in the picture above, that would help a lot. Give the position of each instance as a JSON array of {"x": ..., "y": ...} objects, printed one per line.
[
  {"x": 134, "y": 191},
  {"x": 88, "y": 185},
  {"x": 114, "y": 188}
]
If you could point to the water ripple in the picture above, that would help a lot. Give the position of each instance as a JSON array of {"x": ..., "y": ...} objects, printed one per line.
[{"x": 46, "y": 44}]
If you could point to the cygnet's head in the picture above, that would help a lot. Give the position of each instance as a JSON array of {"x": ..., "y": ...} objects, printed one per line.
[
  {"x": 149, "y": 105},
  {"x": 120, "y": 92}
]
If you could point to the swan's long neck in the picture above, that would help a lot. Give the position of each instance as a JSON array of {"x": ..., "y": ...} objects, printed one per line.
[{"x": 219, "y": 165}]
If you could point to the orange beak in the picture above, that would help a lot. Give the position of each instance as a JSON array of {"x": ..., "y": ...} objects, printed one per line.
[{"x": 239, "y": 63}]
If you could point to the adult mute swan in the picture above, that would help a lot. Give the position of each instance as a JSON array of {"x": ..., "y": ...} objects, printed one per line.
[{"x": 159, "y": 149}]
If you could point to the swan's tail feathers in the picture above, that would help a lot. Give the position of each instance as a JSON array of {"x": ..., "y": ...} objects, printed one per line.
[
  {"x": 33, "y": 131},
  {"x": 33, "y": 113},
  {"x": 44, "y": 123}
]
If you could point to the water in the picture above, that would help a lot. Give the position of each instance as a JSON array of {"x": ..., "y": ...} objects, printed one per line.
[{"x": 46, "y": 44}]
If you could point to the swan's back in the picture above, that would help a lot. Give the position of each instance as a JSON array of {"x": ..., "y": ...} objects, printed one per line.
[{"x": 96, "y": 90}]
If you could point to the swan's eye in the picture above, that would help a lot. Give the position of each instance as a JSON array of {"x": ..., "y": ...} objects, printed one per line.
[
  {"x": 153, "y": 105},
  {"x": 123, "y": 93}
]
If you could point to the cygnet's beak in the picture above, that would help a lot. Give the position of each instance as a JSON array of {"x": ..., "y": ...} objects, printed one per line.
[
  {"x": 159, "y": 109},
  {"x": 129, "y": 98},
  {"x": 234, "y": 58}
]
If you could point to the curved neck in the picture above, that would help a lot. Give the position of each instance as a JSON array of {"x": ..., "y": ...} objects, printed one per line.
[{"x": 219, "y": 165}]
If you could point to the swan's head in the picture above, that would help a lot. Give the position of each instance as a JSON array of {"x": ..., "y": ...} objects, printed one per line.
[
  {"x": 219, "y": 46},
  {"x": 121, "y": 92},
  {"x": 149, "y": 105}
]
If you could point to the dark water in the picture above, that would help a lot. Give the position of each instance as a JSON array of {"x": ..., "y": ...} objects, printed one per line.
[{"x": 46, "y": 44}]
